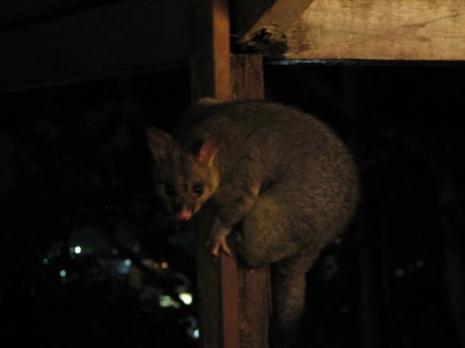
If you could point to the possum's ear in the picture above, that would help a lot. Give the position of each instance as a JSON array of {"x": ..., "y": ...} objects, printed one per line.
[
  {"x": 160, "y": 143},
  {"x": 208, "y": 150}
]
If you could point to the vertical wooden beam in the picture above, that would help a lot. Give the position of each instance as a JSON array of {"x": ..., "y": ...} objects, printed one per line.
[
  {"x": 254, "y": 284},
  {"x": 234, "y": 300},
  {"x": 229, "y": 293},
  {"x": 233, "y": 304},
  {"x": 218, "y": 291},
  {"x": 211, "y": 77},
  {"x": 247, "y": 77},
  {"x": 210, "y": 58}
]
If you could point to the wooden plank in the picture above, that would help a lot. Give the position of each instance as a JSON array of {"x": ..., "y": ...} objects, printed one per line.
[
  {"x": 221, "y": 50},
  {"x": 247, "y": 77},
  {"x": 211, "y": 77},
  {"x": 217, "y": 279},
  {"x": 258, "y": 18},
  {"x": 234, "y": 300},
  {"x": 382, "y": 29},
  {"x": 254, "y": 284},
  {"x": 262, "y": 24},
  {"x": 233, "y": 303},
  {"x": 210, "y": 59},
  {"x": 229, "y": 293},
  {"x": 208, "y": 284},
  {"x": 113, "y": 40}
]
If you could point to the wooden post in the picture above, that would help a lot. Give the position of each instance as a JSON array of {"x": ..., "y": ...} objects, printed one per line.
[
  {"x": 254, "y": 284},
  {"x": 218, "y": 304},
  {"x": 210, "y": 58},
  {"x": 233, "y": 305}
]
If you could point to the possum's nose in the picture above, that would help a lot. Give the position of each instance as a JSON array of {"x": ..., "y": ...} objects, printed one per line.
[{"x": 184, "y": 214}]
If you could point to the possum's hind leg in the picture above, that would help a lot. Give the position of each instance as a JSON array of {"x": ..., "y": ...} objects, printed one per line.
[
  {"x": 286, "y": 233},
  {"x": 272, "y": 231}
]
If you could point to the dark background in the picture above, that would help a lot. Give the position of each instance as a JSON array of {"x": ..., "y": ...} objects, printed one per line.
[{"x": 75, "y": 171}]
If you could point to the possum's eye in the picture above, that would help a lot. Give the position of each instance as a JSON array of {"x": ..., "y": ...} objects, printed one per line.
[
  {"x": 197, "y": 189},
  {"x": 170, "y": 190}
]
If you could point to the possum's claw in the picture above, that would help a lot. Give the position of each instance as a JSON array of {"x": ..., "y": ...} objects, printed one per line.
[
  {"x": 219, "y": 244},
  {"x": 217, "y": 241}
]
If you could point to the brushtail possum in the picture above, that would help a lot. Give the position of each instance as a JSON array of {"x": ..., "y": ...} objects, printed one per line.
[{"x": 281, "y": 174}]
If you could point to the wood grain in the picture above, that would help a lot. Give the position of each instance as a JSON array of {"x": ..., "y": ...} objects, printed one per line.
[
  {"x": 253, "y": 283},
  {"x": 381, "y": 29},
  {"x": 218, "y": 295},
  {"x": 210, "y": 56},
  {"x": 271, "y": 16}
]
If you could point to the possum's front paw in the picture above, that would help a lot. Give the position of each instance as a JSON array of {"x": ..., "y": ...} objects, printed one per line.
[
  {"x": 217, "y": 241},
  {"x": 216, "y": 245}
]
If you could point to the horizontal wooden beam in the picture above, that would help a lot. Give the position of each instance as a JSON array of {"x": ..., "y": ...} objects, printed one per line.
[
  {"x": 140, "y": 36},
  {"x": 258, "y": 20},
  {"x": 379, "y": 30},
  {"x": 122, "y": 38}
]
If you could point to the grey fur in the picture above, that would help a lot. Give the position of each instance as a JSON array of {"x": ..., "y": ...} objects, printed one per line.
[{"x": 288, "y": 179}]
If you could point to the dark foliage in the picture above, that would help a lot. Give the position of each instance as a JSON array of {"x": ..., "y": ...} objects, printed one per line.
[{"x": 76, "y": 160}]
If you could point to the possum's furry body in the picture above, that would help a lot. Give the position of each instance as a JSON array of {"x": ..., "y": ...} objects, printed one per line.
[{"x": 281, "y": 173}]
